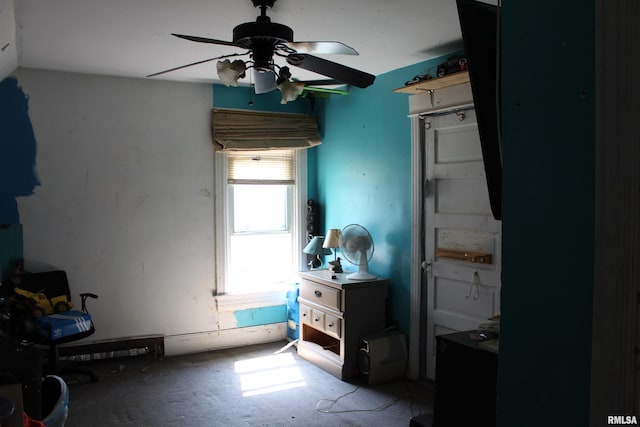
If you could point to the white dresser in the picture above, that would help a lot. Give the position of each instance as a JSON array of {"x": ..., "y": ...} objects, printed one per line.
[{"x": 335, "y": 313}]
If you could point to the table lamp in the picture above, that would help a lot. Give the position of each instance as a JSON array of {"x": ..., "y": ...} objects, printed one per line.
[
  {"x": 333, "y": 241},
  {"x": 314, "y": 247}
]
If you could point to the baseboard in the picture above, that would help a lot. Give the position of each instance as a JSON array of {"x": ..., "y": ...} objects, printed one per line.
[
  {"x": 175, "y": 345},
  {"x": 153, "y": 344}
]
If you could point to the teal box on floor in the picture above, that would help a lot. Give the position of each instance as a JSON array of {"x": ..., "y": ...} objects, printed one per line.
[
  {"x": 293, "y": 313},
  {"x": 56, "y": 326}
]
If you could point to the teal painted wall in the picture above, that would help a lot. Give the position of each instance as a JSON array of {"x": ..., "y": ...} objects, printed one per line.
[
  {"x": 11, "y": 252},
  {"x": 261, "y": 316},
  {"x": 548, "y": 216},
  {"x": 239, "y": 97},
  {"x": 364, "y": 175},
  {"x": 17, "y": 150}
]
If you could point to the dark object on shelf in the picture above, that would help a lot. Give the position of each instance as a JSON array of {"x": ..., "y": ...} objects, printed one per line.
[
  {"x": 420, "y": 77},
  {"x": 480, "y": 27},
  {"x": 431, "y": 84},
  {"x": 453, "y": 64},
  {"x": 466, "y": 379},
  {"x": 335, "y": 266},
  {"x": 56, "y": 283}
]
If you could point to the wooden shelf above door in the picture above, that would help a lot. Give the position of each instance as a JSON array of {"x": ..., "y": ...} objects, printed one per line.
[{"x": 435, "y": 84}]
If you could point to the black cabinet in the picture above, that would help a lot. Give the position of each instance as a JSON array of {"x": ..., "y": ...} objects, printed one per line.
[
  {"x": 466, "y": 377},
  {"x": 23, "y": 364}
]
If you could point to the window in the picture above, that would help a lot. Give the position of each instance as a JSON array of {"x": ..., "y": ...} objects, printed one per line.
[{"x": 260, "y": 200}]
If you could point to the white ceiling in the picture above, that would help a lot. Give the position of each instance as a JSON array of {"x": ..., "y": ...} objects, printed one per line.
[{"x": 132, "y": 38}]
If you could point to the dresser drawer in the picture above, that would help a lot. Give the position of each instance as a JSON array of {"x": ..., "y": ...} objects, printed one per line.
[
  {"x": 321, "y": 321},
  {"x": 320, "y": 294},
  {"x": 332, "y": 325},
  {"x": 317, "y": 319},
  {"x": 305, "y": 314}
]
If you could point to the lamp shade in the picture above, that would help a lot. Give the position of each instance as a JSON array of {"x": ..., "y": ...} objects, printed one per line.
[
  {"x": 314, "y": 247},
  {"x": 333, "y": 238}
]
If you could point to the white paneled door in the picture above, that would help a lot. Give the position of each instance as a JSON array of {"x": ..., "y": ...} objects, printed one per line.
[{"x": 463, "y": 287}]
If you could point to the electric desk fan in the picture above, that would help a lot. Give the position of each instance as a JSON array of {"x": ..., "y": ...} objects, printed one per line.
[{"x": 356, "y": 246}]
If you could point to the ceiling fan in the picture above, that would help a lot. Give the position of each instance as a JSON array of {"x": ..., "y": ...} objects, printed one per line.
[{"x": 263, "y": 40}]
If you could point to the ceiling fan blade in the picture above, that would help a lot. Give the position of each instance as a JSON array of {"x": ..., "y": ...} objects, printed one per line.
[
  {"x": 331, "y": 69},
  {"x": 195, "y": 63},
  {"x": 203, "y": 39},
  {"x": 322, "y": 48}
]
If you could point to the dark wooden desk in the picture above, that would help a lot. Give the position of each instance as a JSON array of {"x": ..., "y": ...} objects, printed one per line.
[
  {"x": 466, "y": 378},
  {"x": 24, "y": 365},
  {"x": 14, "y": 393}
]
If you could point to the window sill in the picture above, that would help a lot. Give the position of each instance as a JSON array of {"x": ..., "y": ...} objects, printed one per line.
[{"x": 253, "y": 300}]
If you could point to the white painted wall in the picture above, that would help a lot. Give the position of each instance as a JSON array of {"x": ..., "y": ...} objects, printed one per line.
[
  {"x": 125, "y": 205},
  {"x": 8, "y": 49}
]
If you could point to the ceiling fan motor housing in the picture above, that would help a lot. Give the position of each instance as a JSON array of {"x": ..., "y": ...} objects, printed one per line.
[
  {"x": 245, "y": 34},
  {"x": 263, "y": 3},
  {"x": 261, "y": 37}
]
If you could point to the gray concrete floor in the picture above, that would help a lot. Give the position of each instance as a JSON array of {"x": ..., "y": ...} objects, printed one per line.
[{"x": 248, "y": 386}]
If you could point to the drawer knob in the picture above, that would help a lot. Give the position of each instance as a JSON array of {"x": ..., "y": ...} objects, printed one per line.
[
  {"x": 316, "y": 319},
  {"x": 317, "y": 293},
  {"x": 330, "y": 325}
]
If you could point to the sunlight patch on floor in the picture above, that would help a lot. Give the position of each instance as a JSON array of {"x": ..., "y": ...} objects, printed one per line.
[{"x": 269, "y": 374}]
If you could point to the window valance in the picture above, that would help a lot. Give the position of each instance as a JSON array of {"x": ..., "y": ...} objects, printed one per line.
[{"x": 237, "y": 130}]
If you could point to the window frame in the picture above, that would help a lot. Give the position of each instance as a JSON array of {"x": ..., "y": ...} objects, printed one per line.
[{"x": 225, "y": 297}]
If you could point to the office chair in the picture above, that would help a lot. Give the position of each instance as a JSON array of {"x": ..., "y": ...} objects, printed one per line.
[{"x": 54, "y": 284}]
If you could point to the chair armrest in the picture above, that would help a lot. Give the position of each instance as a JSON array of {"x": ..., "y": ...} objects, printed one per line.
[
  {"x": 84, "y": 297},
  {"x": 90, "y": 295}
]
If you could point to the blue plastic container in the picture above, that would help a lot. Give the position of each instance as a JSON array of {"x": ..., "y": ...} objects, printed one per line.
[
  {"x": 293, "y": 312},
  {"x": 55, "y": 402}
]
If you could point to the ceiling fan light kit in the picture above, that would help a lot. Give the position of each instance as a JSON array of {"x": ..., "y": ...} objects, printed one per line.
[
  {"x": 263, "y": 40},
  {"x": 290, "y": 91},
  {"x": 229, "y": 72}
]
